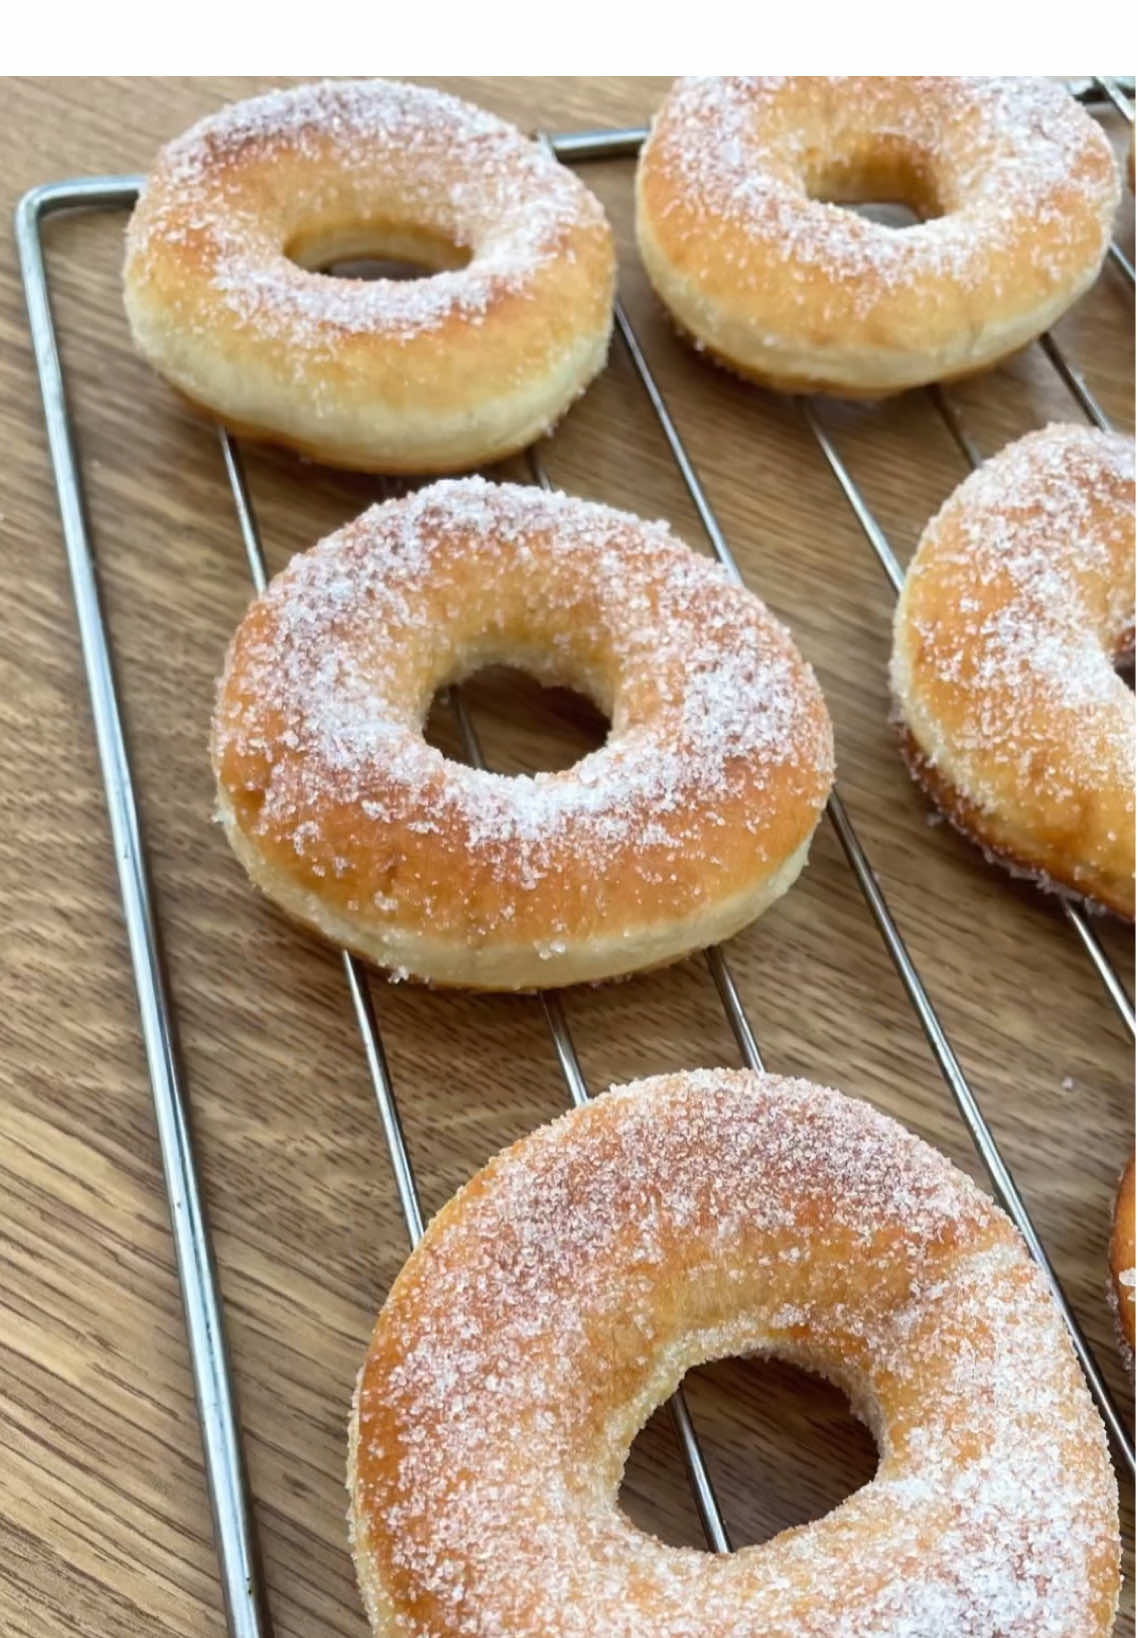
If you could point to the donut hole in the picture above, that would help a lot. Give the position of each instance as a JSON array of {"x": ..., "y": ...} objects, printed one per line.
[
  {"x": 376, "y": 267},
  {"x": 890, "y": 184},
  {"x": 782, "y": 1445},
  {"x": 377, "y": 251},
  {"x": 525, "y": 726},
  {"x": 885, "y": 214}
]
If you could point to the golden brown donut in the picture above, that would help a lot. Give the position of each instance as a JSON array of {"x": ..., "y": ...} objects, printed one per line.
[
  {"x": 686, "y": 824},
  {"x": 226, "y": 300},
  {"x": 564, "y": 1292},
  {"x": 1016, "y": 607},
  {"x": 741, "y": 230},
  {"x": 1122, "y": 1260}
]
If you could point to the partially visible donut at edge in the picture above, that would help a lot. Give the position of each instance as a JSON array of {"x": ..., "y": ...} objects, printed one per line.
[{"x": 1016, "y": 608}]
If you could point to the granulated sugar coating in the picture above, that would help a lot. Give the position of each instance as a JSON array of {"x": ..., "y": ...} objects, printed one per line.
[
  {"x": 564, "y": 1292},
  {"x": 1016, "y": 607},
  {"x": 1022, "y": 145},
  {"x": 742, "y": 223},
  {"x": 714, "y": 774},
  {"x": 230, "y": 290},
  {"x": 456, "y": 170}
]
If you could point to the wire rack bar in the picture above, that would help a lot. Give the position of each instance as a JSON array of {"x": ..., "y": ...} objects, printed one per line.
[
  {"x": 724, "y": 980},
  {"x": 582, "y": 146},
  {"x": 1003, "y": 1183},
  {"x": 1121, "y": 260},
  {"x": 1073, "y": 381},
  {"x": 872, "y": 530},
  {"x": 354, "y": 972},
  {"x": 1075, "y": 384},
  {"x": 226, "y": 1480},
  {"x": 1111, "y": 88},
  {"x": 944, "y": 408}
]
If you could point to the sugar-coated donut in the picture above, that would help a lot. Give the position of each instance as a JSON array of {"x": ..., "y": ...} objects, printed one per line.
[
  {"x": 225, "y": 297},
  {"x": 686, "y": 824},
  {"x": 561, "y": 1296},
  {"x": 741, "y": 230},
  {"x": 1122, "y": 1260},
  {"x": 1015, "y": 609}
]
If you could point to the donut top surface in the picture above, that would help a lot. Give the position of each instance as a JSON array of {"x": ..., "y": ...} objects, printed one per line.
[
  {"x": 720, "y": 746},
  {"x": 740, "y": 175},
  {"x": 1016, "y": 607},
  {"x": 565, "y": 1291},
  {"x": 245, "y": 189}
]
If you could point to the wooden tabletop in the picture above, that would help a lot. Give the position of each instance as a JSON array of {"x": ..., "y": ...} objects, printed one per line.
[{"x": 103, "y": 1517}]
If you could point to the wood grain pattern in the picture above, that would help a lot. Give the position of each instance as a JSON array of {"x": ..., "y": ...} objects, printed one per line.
[{"x": 103, "y": 1520}]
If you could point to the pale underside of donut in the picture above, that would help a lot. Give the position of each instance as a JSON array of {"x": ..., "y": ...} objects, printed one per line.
[{"x": 410, "y": 952}]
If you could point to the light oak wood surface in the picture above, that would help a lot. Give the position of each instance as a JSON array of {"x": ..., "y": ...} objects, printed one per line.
[{"x": 104, "y": 1526}]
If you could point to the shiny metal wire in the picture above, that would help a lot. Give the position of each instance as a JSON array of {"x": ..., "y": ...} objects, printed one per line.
[{"x": 242, "y": 1586}]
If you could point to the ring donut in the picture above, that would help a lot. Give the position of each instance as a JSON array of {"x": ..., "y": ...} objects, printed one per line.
[
  {"x": 740, "y": 226},
  {"x": 226, "y": 298},
  {"x": 1122, "y": 1260},
  {"x": 562, "y": 1295},
  {"x": 1016, "y": 608},
  {"x": 692, "y": 818}
]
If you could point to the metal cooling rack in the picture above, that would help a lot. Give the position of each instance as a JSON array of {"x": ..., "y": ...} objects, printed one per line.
[{"x": 242, "y": 1585}]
